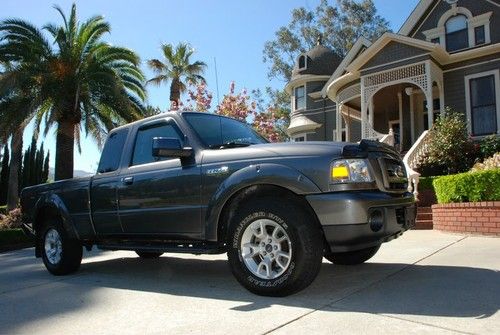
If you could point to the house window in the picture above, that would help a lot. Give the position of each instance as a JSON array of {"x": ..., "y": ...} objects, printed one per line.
[
  {"x": 300, "y": 98},
  {"x": 483, "y": 105},
  {"x": 302, "y": 62},
  {"x": 479, "y": 35},
  {"x": 299, "y": 138},
  {"x": 435, "y": 40},
  {"x": 457, "y": 35}
]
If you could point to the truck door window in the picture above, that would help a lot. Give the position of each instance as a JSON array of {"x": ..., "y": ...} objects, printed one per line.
[
  {"x": 143, "y": 153},
  {"x": 112, "y": 152}
]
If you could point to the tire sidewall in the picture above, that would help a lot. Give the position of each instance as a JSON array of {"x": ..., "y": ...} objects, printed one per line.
[
  {"x": 289, "y": 219},
  {"x": 70, "y": 255}
]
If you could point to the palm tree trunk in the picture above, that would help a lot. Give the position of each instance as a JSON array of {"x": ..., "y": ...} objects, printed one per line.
[
  {"x": 65, "y": 143},
  {"x": 15, "y": 166},
  {"x": 175, "y": 93}
]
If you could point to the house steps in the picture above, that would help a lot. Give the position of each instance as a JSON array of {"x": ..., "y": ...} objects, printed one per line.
[{"x": 424, "y": 218}]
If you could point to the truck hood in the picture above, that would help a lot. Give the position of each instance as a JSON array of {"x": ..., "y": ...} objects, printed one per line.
[
  {"x": 273, "y": 150},
  {"x": 304, "y": 148}
]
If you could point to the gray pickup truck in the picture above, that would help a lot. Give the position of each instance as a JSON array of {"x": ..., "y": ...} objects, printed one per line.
[{"x": 205, "y": 184}]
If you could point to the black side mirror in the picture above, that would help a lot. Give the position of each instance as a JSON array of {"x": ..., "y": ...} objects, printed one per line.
[{"x": 170, "y": 147}]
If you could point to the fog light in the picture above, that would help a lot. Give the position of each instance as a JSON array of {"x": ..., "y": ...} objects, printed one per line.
[{"x": 376, "y": 220}]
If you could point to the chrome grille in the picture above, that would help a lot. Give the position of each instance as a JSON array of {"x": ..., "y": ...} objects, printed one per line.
[{"x": 394, "y": 174}]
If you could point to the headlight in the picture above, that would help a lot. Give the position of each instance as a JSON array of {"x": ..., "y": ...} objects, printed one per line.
[{"x": 350, "y": 171}]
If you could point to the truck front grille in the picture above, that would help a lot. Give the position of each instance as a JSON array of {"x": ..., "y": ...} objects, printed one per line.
[{"x": 394, "y": 175}]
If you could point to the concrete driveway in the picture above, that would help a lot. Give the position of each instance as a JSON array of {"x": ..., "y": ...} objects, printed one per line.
[{"x": 424, "y": 282}]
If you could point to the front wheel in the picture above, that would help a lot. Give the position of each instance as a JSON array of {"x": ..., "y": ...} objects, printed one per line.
[
  {"x": 61, "y": 255},
  {"x": 274, "y": 249},
  {"x": 352, "y": 257}
]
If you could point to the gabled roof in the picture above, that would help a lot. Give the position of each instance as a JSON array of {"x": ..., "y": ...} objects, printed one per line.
[
  {"x": 438, "y": 52},
  {"x": 361, "y": 43},
  {"x": 415, "y": 17}
]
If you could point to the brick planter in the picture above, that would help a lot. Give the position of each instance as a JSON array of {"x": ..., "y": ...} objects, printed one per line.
[{"x": 481, "y": 218}]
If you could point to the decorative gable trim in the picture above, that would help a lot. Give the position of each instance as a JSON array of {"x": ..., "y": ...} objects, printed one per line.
[{"x": 415, "y": 17}]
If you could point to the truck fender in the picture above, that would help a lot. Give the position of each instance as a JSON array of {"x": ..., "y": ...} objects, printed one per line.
[
  {"x": 55, "y": 203},
  {"x": 257, "y": 174}
]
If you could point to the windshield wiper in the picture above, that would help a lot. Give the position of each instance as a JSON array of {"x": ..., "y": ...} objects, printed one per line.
[{"x": 230, "y": 145}]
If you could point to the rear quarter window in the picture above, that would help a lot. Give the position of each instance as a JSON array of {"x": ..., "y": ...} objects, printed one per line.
[{"x": 112, "y": 152}]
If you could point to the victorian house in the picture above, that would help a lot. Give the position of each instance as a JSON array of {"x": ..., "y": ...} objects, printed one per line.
[{"x": 447, "y": 53}]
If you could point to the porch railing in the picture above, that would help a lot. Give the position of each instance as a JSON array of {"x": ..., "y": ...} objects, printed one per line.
[{"x": 412, "y": 158}]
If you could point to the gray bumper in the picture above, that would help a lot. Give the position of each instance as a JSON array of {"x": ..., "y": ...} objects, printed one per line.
[{"x": 357, "y": 220}]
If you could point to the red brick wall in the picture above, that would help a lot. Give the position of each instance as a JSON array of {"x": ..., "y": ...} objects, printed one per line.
[{"x": 482, "y": 218}]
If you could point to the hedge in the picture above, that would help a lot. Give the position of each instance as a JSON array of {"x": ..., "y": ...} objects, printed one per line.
[{"x": 468, "y": 187}]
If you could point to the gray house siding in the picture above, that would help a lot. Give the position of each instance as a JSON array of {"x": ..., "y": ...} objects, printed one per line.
[
  {"x": 393, "y": 51},
  {"x": 454, "y": 89},
  {"x": 477, "y": 7},
  {"x": 312, "y": 87}
]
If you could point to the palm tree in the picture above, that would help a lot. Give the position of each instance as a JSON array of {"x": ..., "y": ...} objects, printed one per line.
[
  {"x": 18, "y": 95},
  {"x": 83, "y": 83},
  {"x": 177, "y": 68}
]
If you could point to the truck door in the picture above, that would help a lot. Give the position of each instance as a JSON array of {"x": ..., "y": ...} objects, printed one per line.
[
  {"x": 160, "y": 196},
  {"x": 103, "y": 188}
]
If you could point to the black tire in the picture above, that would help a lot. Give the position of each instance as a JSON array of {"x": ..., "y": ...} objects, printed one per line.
[
  {"x": 148, "y": 254},
  {"x": 70, "y": 253},
  {"x": 352, "y": 257},
  {"x": 305, "y": 238}
]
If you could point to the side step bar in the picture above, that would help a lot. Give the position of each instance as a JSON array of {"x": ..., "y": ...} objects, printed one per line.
[{"x": 187, "y": 248}]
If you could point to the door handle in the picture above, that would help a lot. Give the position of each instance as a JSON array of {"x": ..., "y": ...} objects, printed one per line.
[{"x": 128, "y": 180}]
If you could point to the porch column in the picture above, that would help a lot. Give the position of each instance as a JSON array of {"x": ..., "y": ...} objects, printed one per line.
[
  {"x": 363, "y": 111},
  {"x": 409, "y": 92},
  {"x": 441, "y": 97},
  {"x": 338, "y": 122},
  {"x": 371, "y": 109},
  {"x": 401, "y": 127},
  {"x": 428, "y": 95}
]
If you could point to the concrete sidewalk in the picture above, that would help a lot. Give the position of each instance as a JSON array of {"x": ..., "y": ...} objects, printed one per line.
[{"x": 424, "y": 282}]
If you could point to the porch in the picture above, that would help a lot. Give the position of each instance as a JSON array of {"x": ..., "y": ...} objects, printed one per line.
[{"x": 395, "y": 106}]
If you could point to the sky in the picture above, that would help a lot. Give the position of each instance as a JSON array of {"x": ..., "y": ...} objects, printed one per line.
[{"x": 229, "y": 32}]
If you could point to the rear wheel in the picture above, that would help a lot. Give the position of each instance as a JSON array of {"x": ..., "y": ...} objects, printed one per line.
[
  {"x": 273, "y": 249},
  {"x": 148, "y": 254},
  {"x": 61, "y": 255},
  {"x": 352, "y": 257}
]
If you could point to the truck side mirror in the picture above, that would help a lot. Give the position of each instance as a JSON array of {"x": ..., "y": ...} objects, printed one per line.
[{"x": 170, "y": 147}]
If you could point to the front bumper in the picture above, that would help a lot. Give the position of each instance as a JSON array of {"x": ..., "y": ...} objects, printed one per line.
[{"x": 360, "y": 219}]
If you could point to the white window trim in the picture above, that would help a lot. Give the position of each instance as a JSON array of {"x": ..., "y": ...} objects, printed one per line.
[
  {"x": 472, "y": 23},
  {"x": 305, "y": 62},
  {"x": 294, "y": 137},
  {"x": 294, "y": 100},
  {"x": 496, "y": 74}
]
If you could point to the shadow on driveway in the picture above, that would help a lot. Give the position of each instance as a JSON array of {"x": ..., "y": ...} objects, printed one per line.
[{"x": 377, "y": 288}]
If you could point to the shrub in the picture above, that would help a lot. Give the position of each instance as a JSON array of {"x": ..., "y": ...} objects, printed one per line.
[
  {"x": 489, "y": 146},
  {"x": 488, "y": 164},
  {"x": 468, "y": 187},
  {"x": 451, "y": 150}
]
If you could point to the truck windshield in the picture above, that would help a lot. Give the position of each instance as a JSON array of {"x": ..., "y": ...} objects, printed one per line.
[{"x": 218, "y": 132}]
